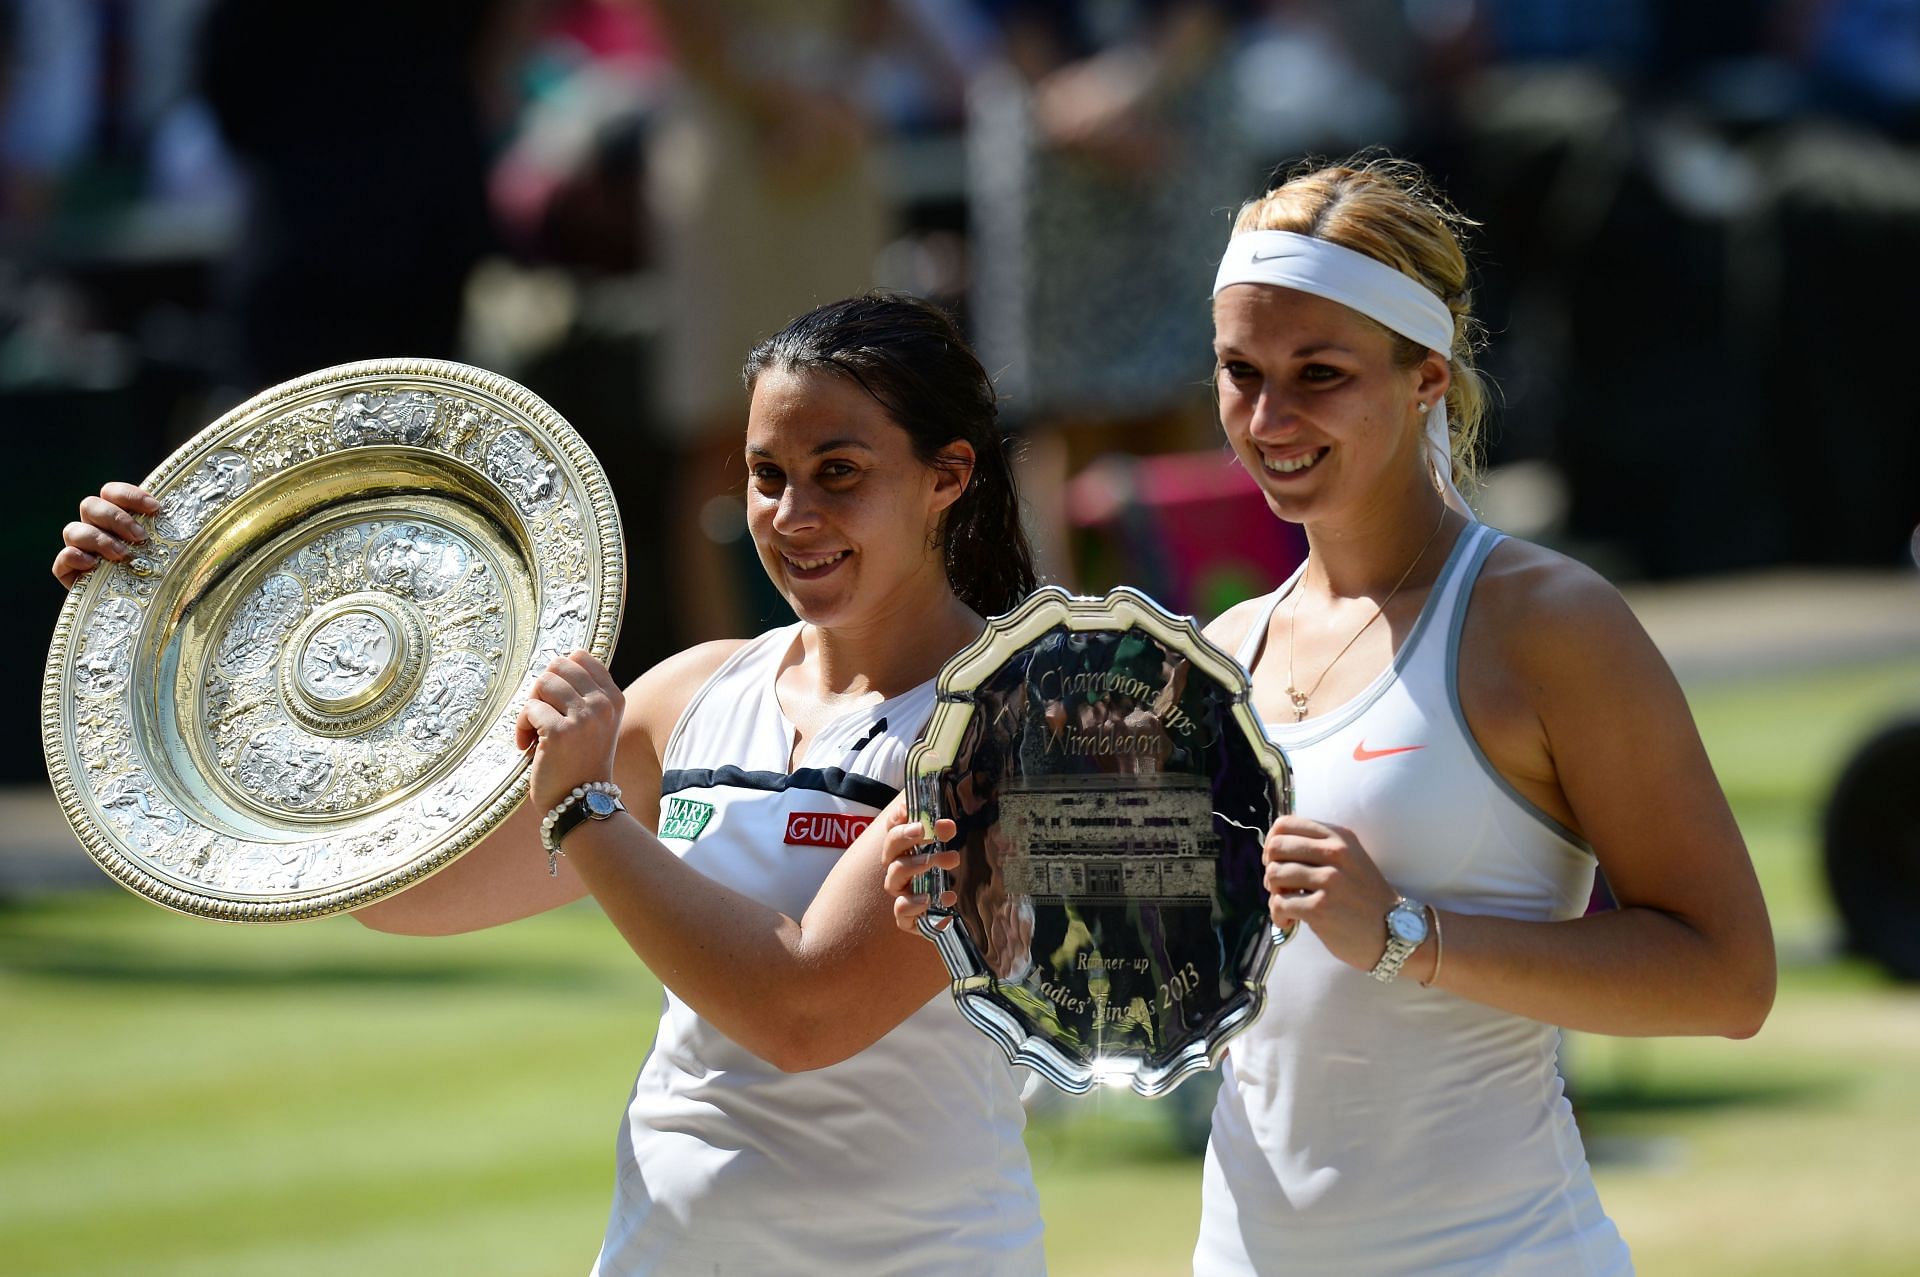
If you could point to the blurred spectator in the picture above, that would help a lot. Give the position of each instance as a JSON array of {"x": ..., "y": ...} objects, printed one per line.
[
  {"x": 1323, "y": 76},
  {"x": 920, "y": 56},
  {"x": 1668, "y": 157},
  {"x": 92, "y": 87},
  {"x": 52, "y": 96},
  {"x": 765, "y": 201},
  {"x": 1671, "y": 228},
  {"x": 567, "y": 187},
  {"x": 1104, "y": 163}
]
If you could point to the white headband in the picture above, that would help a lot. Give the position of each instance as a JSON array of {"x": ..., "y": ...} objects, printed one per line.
[{"x": 1375, "y": 289}]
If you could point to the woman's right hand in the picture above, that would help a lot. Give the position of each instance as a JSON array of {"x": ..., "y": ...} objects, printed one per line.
[
  {"x": 904, "y": 862},
  {"x": 106, "y": 529}
]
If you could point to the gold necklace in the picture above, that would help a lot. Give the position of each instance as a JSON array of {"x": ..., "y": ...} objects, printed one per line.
[{"x": 1300, "y": 698}]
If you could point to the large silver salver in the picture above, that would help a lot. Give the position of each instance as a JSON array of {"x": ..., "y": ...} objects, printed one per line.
[
  {"x": 1112, "y": 790},
  {"x": 300, "y": 695}
]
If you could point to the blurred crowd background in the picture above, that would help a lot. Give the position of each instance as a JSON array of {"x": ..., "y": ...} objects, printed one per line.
[
  {"x": 1699, "y": 222},
  {"x": 1700, "y": 228}
]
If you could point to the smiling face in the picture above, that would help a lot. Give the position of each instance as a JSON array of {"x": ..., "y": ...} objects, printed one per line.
[
  {"x": 842, "y": 512},
  {"x": 1315, "y": 404}
]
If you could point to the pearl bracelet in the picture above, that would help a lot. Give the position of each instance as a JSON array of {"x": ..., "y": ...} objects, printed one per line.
[{"x": 550, "y": 839}]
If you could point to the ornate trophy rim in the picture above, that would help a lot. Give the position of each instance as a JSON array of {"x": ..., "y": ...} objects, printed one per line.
[
  {"x": 514, "y": 408},
  {"x": 1047, "y": 609}
]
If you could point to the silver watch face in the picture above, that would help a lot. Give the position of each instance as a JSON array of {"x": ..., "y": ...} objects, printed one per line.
[
  {"x": 1408, "y": 924},
  {"x": 602, "y": 805}
]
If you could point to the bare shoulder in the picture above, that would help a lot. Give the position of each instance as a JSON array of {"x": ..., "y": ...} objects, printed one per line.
[
  {"x": 1556, "y": 677},
  {"x": 1553, "y": 617},
  {"x": 657, "y": 699},
  {"x": 1229, "y": 630}
]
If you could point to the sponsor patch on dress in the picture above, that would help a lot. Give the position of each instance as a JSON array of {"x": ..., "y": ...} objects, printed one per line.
[
  {"x": 685, "y": 818},
  {"x": 824, "y": 828}
]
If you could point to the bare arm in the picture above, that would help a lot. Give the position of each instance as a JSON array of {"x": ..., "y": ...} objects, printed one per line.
[
  {"x": 501, "y": 879},
  {"x": 1562, "y": 686},
  {"x": 800, "y": 993},
  {"x": 505, "y": 877},
  {"x": 1690, "y": 949}
]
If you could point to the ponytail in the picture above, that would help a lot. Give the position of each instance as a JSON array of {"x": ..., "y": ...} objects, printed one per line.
[{"x": 984, "y": 545}]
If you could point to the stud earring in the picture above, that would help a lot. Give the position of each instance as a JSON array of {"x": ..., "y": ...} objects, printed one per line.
[{"x": 1424, "y": 406}]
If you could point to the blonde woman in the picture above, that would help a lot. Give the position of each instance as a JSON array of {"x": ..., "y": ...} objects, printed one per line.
[{"x": 1477, "y": 725}]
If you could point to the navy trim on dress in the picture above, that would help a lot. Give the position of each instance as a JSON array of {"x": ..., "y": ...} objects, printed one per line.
[{"x": 827, "y": 780}]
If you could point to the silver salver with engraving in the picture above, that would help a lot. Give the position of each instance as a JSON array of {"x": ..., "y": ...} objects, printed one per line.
[
  {"x": 300, "y": 694},
  {"x": 1112, "y": 790}
]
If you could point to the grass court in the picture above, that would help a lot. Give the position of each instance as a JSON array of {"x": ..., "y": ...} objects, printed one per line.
[{"x": 180, "y": 1099}]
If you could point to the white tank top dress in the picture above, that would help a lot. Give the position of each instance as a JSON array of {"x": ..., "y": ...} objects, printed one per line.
[
  {"x": 1369, "y": 1129},
  {"x": 906, "y": 1158}
]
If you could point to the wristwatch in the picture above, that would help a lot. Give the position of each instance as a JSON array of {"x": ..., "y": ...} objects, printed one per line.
[
  {"x": 596, "y": 800},
  {"x": 1406, "y": 931}
]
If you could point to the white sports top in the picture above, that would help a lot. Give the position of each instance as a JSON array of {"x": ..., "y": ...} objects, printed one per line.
[
  {"x": 906, "y": 1158},
  {"x": 1366, "y": 1128}
]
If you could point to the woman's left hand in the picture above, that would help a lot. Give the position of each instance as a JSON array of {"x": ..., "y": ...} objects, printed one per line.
[
  {"x": 573, "y": 715},
  {"x": 905, "y": 863},
  {"x": 1319, "y": 874}
]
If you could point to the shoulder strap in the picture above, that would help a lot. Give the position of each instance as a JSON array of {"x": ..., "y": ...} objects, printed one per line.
[
  {"x": 1432, "y": 658},
  {"x": 1256, "y": 637},
  {"x": 1466, "y": 570},
  {"x": 750, "y": 655}
]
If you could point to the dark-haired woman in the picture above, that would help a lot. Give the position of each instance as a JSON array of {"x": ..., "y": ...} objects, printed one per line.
[{"x": 813, "y": 1102}]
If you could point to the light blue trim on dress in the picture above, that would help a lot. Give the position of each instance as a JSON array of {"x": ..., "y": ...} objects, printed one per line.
[
  {"x": 1294, "y": 735},
  {"x": 1471, "y": 574}
]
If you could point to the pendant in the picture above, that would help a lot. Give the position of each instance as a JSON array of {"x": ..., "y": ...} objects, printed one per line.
[{"x": 1299, "y": 699}]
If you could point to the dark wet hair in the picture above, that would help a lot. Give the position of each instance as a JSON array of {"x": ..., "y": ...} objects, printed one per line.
[{"x": 909, "y": 355}]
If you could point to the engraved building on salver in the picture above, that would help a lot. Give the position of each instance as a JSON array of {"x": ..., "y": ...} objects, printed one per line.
[{"x": 1117, "y": 838}]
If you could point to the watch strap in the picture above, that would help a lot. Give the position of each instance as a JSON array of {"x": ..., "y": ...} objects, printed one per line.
[
  {"x": 1398, "y": 950},
  {"x": 578, "y": 813},
  {"x": 596, "y": 800}
]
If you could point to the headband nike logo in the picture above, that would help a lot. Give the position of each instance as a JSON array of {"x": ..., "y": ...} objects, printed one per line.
[
  {"x": 1361, "y": 754},
  {"x": 1273, "y": 256}
]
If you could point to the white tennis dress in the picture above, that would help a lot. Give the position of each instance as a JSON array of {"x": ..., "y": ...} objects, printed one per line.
[
  {"x": 905, "y": 1159},
  {"x": 1366, "y": 1128}
]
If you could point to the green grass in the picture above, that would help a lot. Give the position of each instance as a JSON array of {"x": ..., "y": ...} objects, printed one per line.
[
  {"x": 1782, "y": 1155},
  {"x": 179, "y": 1098},
  {"x": 184, "y": 1098},
  {"x": 1778, "y": 746}
]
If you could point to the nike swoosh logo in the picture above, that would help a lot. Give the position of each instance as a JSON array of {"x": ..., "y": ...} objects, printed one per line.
[
  {"x": 1273, "y": 257},
  {"x": 1362, "y": 754}
]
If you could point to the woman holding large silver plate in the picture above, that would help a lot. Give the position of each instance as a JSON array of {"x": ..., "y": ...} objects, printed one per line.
[
  {"x": 1475, "y": 725},
  {"x": 813, "y": 1102}
]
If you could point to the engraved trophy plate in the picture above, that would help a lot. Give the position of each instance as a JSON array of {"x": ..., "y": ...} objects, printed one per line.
[
  {"x": 1112, "y": 791},
  {"x": 300, "y": 695}
]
